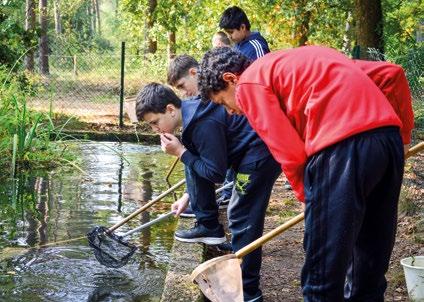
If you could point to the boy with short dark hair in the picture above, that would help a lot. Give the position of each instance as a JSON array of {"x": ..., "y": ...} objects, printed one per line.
[
  {"x": 182, "y": 74},
  {"x": 213, "y": 141},
  {"x": 339, "y": 142},
  {"x": 236, "y": 24}
]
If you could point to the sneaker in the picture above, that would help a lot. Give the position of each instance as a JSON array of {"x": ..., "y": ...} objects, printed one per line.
[
  {"x": 256, "y": 297},
  {"x": 287, "y": 186},
  {"x": 188, "y": 213},
  {"x": 200, "y": 233},
  {"x": 223, "y": 202},
  {"x": 224, "y": 247}
]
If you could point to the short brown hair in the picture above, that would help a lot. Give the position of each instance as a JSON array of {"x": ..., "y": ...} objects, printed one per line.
[
  {"x": 223, "y": 37},
  {"x": 179, "y": 67}
]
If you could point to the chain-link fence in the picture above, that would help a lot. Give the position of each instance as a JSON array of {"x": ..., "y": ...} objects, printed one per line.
[
  {"x": 88, "y": 85},
  {"x": 413, "y": 64}
]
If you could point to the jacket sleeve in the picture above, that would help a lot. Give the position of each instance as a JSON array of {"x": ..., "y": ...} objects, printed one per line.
[
  {"x": 209, "y": 141},
  {"x": 391, "y": 80},
  {"x": 398, "y": 93},
  {"x": 262, "y": 109},
  {"x": 254, "y": 49}
]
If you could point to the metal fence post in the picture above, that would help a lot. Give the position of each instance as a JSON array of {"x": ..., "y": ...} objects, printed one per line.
[
  {"x": 75, "y": 66},
  {"x": 121, "y": 95}
]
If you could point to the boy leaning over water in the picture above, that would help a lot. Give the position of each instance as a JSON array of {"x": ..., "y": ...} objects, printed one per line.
[
  {"x": 182, "y": 74},
  {"x": 339, "y": 141},
  {"x": 213, "y": 141}
]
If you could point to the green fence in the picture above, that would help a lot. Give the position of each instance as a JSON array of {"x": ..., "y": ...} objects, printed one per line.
[{"x": 88, "y": 85}]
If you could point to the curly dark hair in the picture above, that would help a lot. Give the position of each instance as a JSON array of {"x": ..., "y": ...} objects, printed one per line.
[
  {"x": 214, "y": 64},
  {"x": 233, "y": 17},
  {"x": 153, "y": 98}
]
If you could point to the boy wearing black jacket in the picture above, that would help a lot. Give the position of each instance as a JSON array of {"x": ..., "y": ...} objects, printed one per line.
[{"x": 213, "y": 141}]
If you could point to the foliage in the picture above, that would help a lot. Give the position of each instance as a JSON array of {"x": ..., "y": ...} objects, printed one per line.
[
  {"x": 33, "y": 130},
  {"x": 401, "y": 21},
  {"x": 14, "y": 40}
]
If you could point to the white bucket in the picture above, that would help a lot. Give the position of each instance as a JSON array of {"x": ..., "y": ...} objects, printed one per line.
[{"x": 414, "y": 275}]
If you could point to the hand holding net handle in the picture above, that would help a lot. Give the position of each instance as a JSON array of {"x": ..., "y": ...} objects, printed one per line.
[{"x": 147, "y": 205}]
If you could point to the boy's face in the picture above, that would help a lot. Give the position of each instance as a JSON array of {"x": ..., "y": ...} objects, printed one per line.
[
  {"x": 166, "y": 122},
  {"x": 237, "y": 35},
  {"x": 188, "y": 84},
  {"x": 227, "y": 96}
]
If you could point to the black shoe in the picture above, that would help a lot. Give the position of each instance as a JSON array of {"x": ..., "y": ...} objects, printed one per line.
[
  {"x": 256, "y": 297},
  {"x": 223, "y": 201},
  {"x": 224, "y": 247},
  {"x": 188, "y": 213},
  {"x": 200, "y": 233}
]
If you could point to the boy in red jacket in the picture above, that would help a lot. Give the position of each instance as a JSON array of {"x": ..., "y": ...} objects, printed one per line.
[{"x": 338, "y": 141}]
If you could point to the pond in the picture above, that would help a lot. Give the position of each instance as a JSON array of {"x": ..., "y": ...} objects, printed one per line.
[{"x": 43, "y": 207}]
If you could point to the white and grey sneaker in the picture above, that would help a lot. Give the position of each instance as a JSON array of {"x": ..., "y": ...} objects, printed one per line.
[{"x": 201, "y": 234}]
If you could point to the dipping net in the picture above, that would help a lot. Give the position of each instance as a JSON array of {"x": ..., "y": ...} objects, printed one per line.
[{"x": 109, "y": 249}]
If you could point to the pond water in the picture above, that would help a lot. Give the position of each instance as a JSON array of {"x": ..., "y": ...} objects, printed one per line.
[{"x": 43, "y": 207}]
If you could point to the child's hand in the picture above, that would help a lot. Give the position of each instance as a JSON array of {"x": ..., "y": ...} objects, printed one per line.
[
  {"x": 180, "y": 205},
  {"x": 171, "y": 145}
]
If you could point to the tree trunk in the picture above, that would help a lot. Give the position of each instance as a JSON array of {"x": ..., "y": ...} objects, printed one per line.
[
  {"x": 369, "y": 25},
  {"x": 57, "y": 17},
  {"x": 171, "y": 45},
  {"x": 301, "y": 26},
  {"x": 44, "y": 44},
  {"x": 347, "y": 41},
  {"x": 93, "y": 20},
  {"x": 97, "y": 8},
  {"x": 29, "y": 26},
  {"x": 152, "y": 44}
]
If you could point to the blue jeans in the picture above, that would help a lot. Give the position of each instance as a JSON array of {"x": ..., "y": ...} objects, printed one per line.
[
  {"x": 202, "y": 198},
  {"x": 351, "y": 195},
  {"x": 229, "y": 177},
  {"x": 246, "y": 214}
]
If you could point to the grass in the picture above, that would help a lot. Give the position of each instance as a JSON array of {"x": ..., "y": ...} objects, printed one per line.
[{"x": 24, "y": 134}]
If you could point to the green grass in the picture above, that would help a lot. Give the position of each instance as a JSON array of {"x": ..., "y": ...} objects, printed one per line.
[{"x": 24, "y": 134}]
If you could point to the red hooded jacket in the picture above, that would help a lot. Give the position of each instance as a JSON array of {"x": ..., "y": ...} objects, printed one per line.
[{"x": 303, "y": 100}]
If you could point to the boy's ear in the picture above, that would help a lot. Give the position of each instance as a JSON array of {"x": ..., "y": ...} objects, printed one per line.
[
  {"x": 192, "y": 71},
  {"x": 230, "y": 77},
  {"x": 170, "y": 108}
]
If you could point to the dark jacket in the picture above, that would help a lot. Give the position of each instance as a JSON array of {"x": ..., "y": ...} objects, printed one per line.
[
  {"x": 253, "y": 47},
  {"x": 216, "y": 140}
]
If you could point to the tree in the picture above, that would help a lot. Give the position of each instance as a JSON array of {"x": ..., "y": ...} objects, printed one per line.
[
  {"x": 29, "y": 27},
  {"x": 44, "y": 45},
  {"x": 171, "y": 44},
  {"x": 57, "y": 17},
  {"x": 369, "y": 25},
  {"x": 301, "y": 24},
  {"x": 152, "y": 43},
  {"x": 97, "y": 10},
  {"x": 91, "y": 12}
]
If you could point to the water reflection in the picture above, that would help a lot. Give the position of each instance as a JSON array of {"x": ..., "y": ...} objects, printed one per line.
[{"x": 45, "y": 207}]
